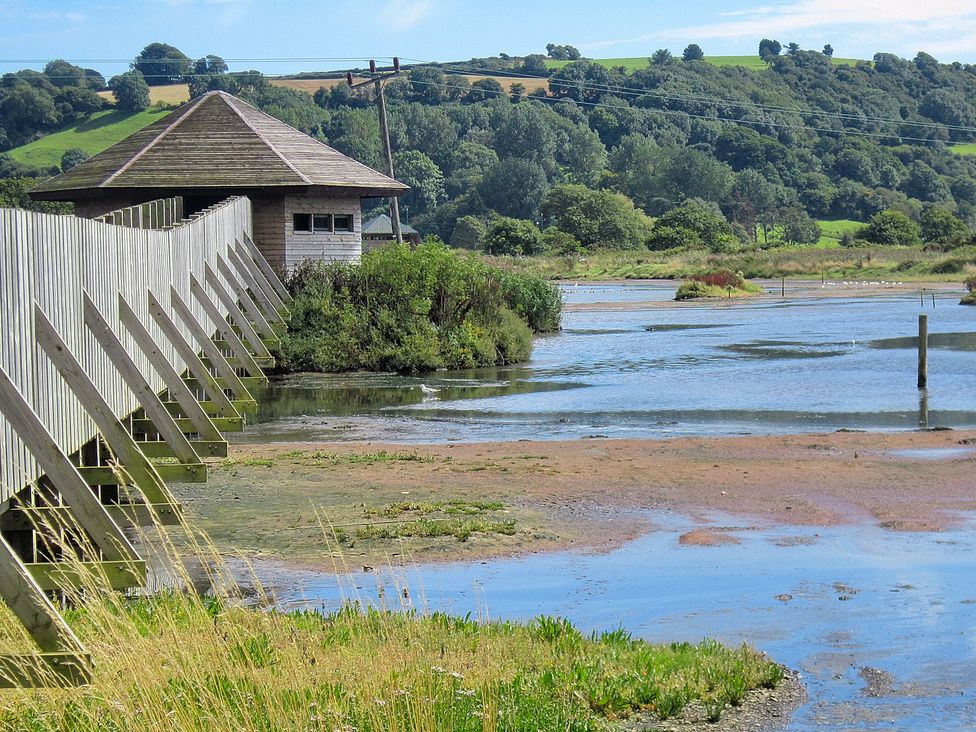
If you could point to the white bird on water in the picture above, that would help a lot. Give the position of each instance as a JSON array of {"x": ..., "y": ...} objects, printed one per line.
[{"x": 428, "y": 392}]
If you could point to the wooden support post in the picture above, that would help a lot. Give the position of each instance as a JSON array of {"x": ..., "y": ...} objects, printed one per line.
[
  {"x": 265, "y": 301},
  {"x": 27, "y": 601},
  {"x": 86, "y": 508},
  {"x": 210, "y": 350},
  {"x": 266, "y": 269},
  {"x": 174, "y": 382},
  {"x": 119, "y": 440},
  {"x": 240, "y": 320},
  {"x": 189, "y": 355},
  {"x": 923, "y": 351},
  {"x": 247, "y": 361},
  {"x": 243, "y": 253},
  {"x": 261, "y": 325},
  {"x": 162, "y": 420}
]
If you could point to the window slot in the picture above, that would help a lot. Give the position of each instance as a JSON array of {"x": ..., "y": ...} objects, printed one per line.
[
  {"x": 342, "y": 222},
  {"x": 322, "y": 222},
  {"x": 302, "y": 222}
]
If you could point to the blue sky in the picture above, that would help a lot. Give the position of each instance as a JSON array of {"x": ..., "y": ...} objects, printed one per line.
[{"x": 102, "y": 32}]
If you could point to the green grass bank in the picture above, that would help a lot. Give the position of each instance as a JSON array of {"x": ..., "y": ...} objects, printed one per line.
[
  {"x": 94, "y": 134},
  {"x": 891, "y": 263},
  {"x": 181, "y": 662}
]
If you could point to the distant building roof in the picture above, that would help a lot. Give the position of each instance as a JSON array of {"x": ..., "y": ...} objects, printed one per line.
[
  {"x": 218, "y": 141},
  {"x": 383, "y": 226}
]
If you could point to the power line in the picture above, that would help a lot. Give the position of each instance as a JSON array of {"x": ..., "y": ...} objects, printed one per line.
[
  {"x": 729, "y": 120},
  {"x": 280, "y": 59},
  {"x": 637, "y": 91}
]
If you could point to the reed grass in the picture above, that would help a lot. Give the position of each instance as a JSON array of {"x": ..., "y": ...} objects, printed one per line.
[
  {"x": 185, "y": 660},
  {"x": 892, "y": 263}
]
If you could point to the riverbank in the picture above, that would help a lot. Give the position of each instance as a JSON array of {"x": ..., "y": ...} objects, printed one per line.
[{"x": 336, "y": 506}]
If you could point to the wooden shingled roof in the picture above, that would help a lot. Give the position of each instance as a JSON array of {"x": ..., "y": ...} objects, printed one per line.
[{"x": 217, "y": 141}]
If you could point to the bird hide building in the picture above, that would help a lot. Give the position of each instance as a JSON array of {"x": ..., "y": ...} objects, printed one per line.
[{"x": 306, "y": 197}]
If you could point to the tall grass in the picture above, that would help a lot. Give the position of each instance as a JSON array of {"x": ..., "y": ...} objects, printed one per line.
[
  {"x": 892, "y": 263},
  {"x": 184, "y": 660}
]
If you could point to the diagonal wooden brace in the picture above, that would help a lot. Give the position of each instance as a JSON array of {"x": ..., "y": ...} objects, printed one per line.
[
  {"x": 118, "y": 438},
  {"x": 87, "y": 509},
  {"x": 174, "y": 382},
  {"x": 189, "y": 355},
  {"x": 162, "y": 420}
]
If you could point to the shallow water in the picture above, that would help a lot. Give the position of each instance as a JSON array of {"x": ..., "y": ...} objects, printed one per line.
[
  {"x": 827, "y": 602},
  {"x": 804, "y": 364}
]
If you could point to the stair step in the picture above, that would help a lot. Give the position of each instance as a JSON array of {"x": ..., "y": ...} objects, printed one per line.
[
  {"x": 251, "y": 383},
  {"x": 224, "y": 424},
  {"x": 203, "y": 448},
  {"x": 169, "y": 472},
  {"x": 214, "y": 410},
  {"x": 26, "y": 518},
  {"x": 64, "y": 575},
  {"x": 45, "y": 670}
]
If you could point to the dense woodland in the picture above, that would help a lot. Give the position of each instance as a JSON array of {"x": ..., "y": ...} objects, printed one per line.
[{"x": 680, "y": 153}]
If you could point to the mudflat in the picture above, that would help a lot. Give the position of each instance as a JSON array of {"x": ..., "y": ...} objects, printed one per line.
[{"x": 339, "y": 505}]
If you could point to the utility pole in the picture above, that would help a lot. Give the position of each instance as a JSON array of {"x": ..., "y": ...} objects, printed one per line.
[{"x": 377, "y": 79}]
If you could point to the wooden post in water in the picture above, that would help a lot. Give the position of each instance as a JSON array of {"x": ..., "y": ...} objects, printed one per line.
[
  {"x": 782, "y": 291},
  {"x": 923, "y": 351}
]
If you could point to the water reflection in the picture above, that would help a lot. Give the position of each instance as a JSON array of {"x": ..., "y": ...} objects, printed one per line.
[
  {"x": 825, "y": 601},
  {"x": 746, "y": 367}
]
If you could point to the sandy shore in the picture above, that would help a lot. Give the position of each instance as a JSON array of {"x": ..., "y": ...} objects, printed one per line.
[{"x": 273, "y": 500}]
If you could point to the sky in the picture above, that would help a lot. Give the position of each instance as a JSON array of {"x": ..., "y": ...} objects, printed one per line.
[{"x": 286, "y": 36}]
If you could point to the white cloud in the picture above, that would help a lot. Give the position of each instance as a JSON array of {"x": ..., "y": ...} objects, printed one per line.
[
  {"x": 404, "y": 14},
  {"x": 901, "y": 25}
]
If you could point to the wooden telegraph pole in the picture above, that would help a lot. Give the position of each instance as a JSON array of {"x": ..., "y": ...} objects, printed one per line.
[{"x": 377, "y": 79}]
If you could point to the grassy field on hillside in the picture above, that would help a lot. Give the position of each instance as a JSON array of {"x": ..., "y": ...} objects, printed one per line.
[
  {"x": 750, "y": 62},
  {"x": 832, "y": 231},
  {"x": 968, "y": 148},
  {"x": 98, "y": 132},
  {"x": 167, "y": 94}
]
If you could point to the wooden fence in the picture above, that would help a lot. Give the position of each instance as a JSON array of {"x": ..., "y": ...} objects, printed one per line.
[{"x": 125, "y": 352}]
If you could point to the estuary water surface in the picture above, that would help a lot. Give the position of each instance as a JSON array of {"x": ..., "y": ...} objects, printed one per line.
[
  {"x": 640, "y": 368},
  {"x": 843, "y": 605}
]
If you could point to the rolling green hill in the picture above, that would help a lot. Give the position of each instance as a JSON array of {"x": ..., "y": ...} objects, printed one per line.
[
  {"x": 750, "y": 62},
  {"x": 94, "y": 134}
]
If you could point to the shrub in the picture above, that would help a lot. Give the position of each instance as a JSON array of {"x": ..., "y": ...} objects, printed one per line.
[
  {"x": 411, "y": 311},
  {"x": 892, "y": 227},
  {"x": 508, "y": 236}
]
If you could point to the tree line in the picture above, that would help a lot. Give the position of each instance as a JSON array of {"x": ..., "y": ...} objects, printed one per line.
[{"x": 677, "y": 153}]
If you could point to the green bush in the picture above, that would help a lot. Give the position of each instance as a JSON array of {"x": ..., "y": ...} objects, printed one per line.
[{"x": 411, "y": 311}]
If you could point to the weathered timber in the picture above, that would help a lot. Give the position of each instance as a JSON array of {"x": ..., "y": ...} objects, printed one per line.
[
  {"x": 230, "y": 378},
  {"x": 243, "y": 356},
  {"x": 162, "y": 421},
  {"x": 189, "y": 355},
  {"x": 188, "y": 403},
  {"x": 86, "y": 508},
  {"x": 119, "y": 440}
]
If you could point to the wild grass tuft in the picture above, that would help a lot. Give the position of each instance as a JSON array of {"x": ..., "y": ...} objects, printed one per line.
[{"x": 180, "y": 660}]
